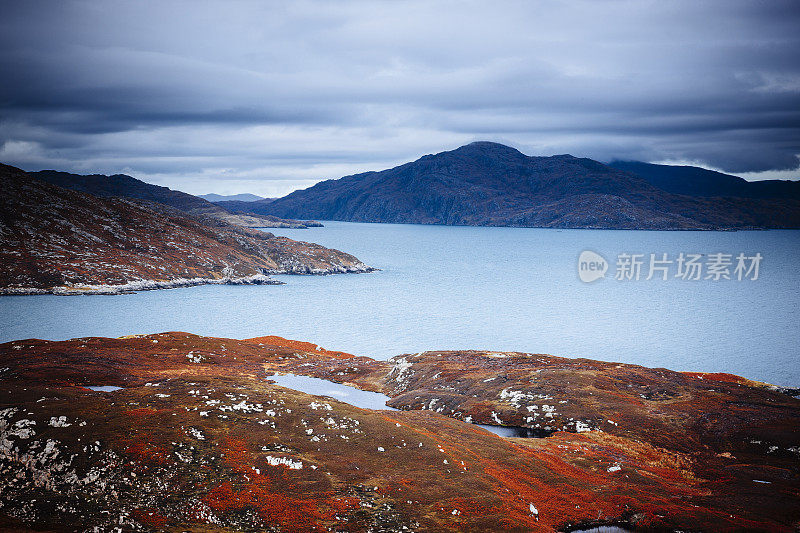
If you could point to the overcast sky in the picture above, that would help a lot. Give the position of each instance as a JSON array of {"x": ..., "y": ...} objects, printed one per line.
[{"x": 267, "y": 97}]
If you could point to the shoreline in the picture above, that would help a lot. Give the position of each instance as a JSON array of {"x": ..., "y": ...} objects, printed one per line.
[
  {"x": 132, "y": 287},
  {"x": 136, "y": 286}
]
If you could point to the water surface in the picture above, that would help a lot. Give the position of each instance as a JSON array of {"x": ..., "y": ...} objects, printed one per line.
[
  {"x": 484, "y": 288},
  {"x": 323, "y": 387},
  {"x": 375, "y": 400}
]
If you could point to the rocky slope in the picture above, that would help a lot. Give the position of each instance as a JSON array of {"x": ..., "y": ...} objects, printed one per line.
[
  {"x": 121, "y": 185},
  {"x": 198, "y": 439},
  {"x": 494, "y": 185},
  {"x": 57, "y": 240}
]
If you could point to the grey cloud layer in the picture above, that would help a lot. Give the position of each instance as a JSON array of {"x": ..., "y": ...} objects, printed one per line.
[{"x": 186, "y": 91}]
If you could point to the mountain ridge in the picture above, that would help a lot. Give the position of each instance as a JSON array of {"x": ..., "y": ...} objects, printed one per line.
[
  {"x": 122, "y": 185},
  {"x": 489, "y": 184},
  {"x": 696, "y": 181}
]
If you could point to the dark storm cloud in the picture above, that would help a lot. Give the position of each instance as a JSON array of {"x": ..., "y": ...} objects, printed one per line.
[{"x": 271, "y": 96}]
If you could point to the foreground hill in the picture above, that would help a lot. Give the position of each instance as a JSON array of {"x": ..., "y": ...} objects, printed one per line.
[
  {"x": 695, "y": 181},
  {"x": 58, "y": 240},
  {"x": 494, "y": 185},
  {"x": 120, "y": 185},
  {"x": 198, "y": 439}
]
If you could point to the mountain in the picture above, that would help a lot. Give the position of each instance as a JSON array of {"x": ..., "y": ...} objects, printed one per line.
[
  {"x": 489, "y": 184},
  {"x": 128, "y": 187},
  {"x": 58, "y": 240},
  {"x": 189, "y": 433},
  {"x": 695, "y": 181},
  {"x": 246, "y": 197}
]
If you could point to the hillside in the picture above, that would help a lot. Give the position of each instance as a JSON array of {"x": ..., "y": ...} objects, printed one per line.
[
  {"x": 257, "y": 207},
  {"x": 192, "y": 435},
  {"x": 489, "y": 184},
  {"x": 695, "y": 181},
  {"x": 243, "y": 197},
  {"x": 57, "y": 240},
  {"x": 121, "y": 185}
]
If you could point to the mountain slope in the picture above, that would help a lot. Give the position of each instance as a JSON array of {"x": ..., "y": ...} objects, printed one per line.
[
  {"x": 695, "y": 181},
  {"x": 494, "y": 185},
  {"x": 53, "y": 238},
  {"x": 121, "y": 185}
]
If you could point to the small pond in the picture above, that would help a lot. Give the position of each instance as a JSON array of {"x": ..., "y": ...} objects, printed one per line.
[
  {"x": 323, "y": 387},
  {"x": 375, "y": 400},
  {"x": 517, "y": 431}
]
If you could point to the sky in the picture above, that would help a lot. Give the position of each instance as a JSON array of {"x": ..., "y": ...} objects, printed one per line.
[{"x": 267, "y": 97}]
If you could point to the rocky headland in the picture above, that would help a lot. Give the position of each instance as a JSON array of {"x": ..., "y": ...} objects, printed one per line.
[
  {"x": 195, "y": 437},
  {"x": 56, "y": 240}
]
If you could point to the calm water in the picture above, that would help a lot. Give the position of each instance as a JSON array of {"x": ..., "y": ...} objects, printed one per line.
[
  {"x": 323, "y": 387},
  {"x": 492, "y": 288},
  {"x": 371, "y": 400}
]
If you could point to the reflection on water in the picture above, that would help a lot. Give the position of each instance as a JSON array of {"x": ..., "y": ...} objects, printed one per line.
[
  {"x": 517, "y": 431},
  {"x": 323, "y": 387},
  {"x": 602, "y": 529},
  {"x": 374, "y": 400},
  {"x": 102, "y": 388}
]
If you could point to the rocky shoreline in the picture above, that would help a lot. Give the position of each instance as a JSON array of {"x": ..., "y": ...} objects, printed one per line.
[
  {"x": 302, "y": 269},
  {"x": 194, "y": 437},
  {"x": 78, "y": 289},
  {"x": 151, "y": 285},
  {"x": 138, "y": 285}
]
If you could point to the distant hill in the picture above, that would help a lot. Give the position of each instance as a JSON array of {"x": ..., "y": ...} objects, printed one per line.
[
  {"x": 257, "y": 208},
  {"x": 246, "y": 197},
  {"x": 490, "y": 184},
  {"x": 53, "y": 238},
  {"x": 695, "y": 181},
  {"x": 241, "y": 206},
  {"x": 121, "y": 185}
]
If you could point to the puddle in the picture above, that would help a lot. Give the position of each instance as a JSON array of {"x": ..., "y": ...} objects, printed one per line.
[
  {"x": 517, "y": 431},
  {"x": 102, "y": 388},
  {"x": 374, "y": 400},
  {"x": 343, "y": 393},
  {"x": 602, "y": 529}
]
